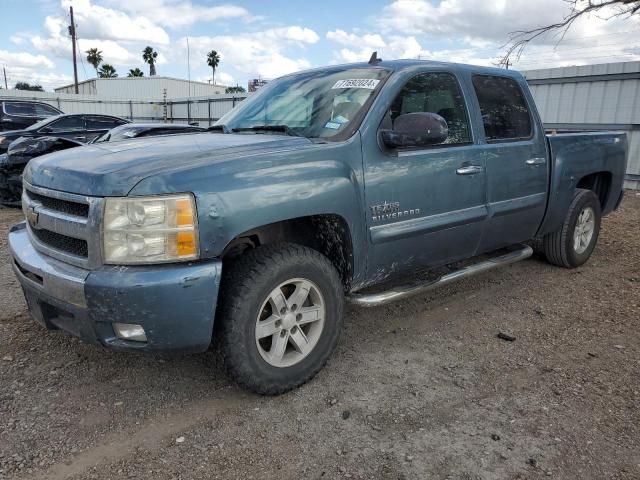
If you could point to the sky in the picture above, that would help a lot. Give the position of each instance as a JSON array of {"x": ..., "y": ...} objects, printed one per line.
[{"x": 266, "y": 39}]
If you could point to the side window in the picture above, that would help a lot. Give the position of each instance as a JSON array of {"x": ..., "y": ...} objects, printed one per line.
[
  {"x": 102, "y": 123},
  {"x": 19, "y": 108},
  {"x": 436, "y": 93},
  {"x": 504, "y": 110},
  {"x": 67, "y": 123},
  {"x": 43, "y": 110}
]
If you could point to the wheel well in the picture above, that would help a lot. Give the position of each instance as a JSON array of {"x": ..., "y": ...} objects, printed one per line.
[
  {"x": 599, "y": 183},
  {"x": 328, "y": 234}
]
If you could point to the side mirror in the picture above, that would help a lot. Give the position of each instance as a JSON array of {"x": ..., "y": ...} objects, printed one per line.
[{"x": 416, "y": 130}]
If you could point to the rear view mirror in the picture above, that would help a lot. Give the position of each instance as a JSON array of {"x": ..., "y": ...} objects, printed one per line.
[{"x": 416, "y": 130}]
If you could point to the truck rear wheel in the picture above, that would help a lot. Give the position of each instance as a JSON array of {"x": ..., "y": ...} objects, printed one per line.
[
  {"x": 573, "y": 243},
  {"x": 280, "y": 317}
]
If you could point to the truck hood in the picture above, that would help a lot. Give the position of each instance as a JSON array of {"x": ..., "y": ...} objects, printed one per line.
[{"x": 113, "y": 169}]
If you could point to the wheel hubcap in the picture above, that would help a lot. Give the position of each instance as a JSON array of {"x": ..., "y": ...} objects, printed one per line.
[
  {"x": 290, "y": 322},
  {"x": 583, "y": 232}
]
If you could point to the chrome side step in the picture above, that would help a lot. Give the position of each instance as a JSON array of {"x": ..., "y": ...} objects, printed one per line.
[{"x": 403, "y": 291}]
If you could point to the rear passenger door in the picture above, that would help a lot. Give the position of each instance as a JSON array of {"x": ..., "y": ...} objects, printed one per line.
[{"x": 515, "y": 157}]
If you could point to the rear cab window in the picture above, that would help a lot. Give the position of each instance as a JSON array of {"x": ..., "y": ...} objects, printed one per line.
[{"x": 505, "y": 113}]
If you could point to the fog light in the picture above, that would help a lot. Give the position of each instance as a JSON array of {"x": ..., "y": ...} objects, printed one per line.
[{"x": 130, "y": 331}]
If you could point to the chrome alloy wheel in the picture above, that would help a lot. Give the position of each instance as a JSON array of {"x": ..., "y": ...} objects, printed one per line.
[
  {"x": 583, "y": 231},
  {"x": 290, "y": 322}
]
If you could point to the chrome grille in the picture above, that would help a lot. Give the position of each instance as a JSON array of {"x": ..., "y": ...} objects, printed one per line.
[
  {"x": 63, "y": 206},
  {"x": 64, "y": 225}
]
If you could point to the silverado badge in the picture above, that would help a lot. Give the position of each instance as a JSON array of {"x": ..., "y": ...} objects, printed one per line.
[{"x": 390, "y": 211}]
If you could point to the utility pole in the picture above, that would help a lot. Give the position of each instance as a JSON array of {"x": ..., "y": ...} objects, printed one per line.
[
  {"x": 5, "y": 78},
  {"x": 506, "y": 64},
  {"x": 72, "y": 32}
]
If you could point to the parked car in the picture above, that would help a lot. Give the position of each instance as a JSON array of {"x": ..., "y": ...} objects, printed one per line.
[
  {"x": 136, "y": 130},
  {"x": 372, "y": 182},
  {"x": 80, "y": 127},
  {"x": 22, "y": 150},
  {"x": 19, "y": 114}
]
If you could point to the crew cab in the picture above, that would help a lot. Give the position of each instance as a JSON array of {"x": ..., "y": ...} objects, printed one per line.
[{"x": 367, "y": 182}]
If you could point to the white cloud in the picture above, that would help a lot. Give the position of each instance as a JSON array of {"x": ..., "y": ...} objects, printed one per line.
[
  {"x": 24, "y": 60},
  {"x": 119, "y": 36},
  {"x": 486, "y": 26},
  {"x": 223, "y": 78},
  {"x": 469, "y": 18},
  {"x": 369, "y": 40},
  {"x": 97, "y": 22},
  {"x": 358, "y": 48},
  {"x": 180, "y": 13},
  {"x": 255, "y": 54}
]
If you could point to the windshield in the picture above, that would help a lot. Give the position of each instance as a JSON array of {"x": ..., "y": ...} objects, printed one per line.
[
  {"x": 42, "y": 123},
  {"x": 122, "y": 132},
  {"x": 316, "y": 104}
]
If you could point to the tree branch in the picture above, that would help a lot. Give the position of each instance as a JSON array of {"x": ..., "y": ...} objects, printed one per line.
[{"x": 519, "y": 40}]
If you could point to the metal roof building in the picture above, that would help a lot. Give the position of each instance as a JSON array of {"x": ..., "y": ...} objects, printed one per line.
[
  {"x": 592, "y": 97},
  {"x": 143, "y": 88}
]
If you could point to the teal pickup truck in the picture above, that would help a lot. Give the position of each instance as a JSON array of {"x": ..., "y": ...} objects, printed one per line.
[{"x": 367, "y": 182}]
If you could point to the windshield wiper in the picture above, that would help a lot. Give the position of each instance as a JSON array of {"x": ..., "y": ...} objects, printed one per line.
[
  {"x": 268, "y": 128},
  {"x": 219, "y": 128}
]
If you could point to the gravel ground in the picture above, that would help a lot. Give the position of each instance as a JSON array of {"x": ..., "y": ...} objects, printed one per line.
[{"x": 421, "y": 389}]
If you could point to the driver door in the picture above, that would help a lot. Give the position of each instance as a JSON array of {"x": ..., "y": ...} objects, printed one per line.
[{"x": 426, "y": 205}]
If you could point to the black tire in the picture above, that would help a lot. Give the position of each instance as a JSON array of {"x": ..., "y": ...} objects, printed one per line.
[
  {"x": 559, "y": 246},
  {"x": 247, "y": 283}
]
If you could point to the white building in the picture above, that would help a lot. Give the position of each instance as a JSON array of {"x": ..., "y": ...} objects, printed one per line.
[
  {"x": 591, "y": 98},
  {"x": 142, "y": 88}
]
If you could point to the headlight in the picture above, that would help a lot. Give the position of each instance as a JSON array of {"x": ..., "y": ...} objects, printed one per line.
[{"x": 150, "y": 229}]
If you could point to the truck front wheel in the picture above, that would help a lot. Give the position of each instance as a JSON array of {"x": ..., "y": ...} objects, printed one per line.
[
  {"x": 573, "y": 243},
  {"x": 280, "y": 316}
]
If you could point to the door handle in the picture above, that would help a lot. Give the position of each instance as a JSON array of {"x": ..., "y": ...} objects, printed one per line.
[
  {"x": 81, "y": 138},
  {"x": 536, "y": 161},
  {"x": 470, "y": 170}
]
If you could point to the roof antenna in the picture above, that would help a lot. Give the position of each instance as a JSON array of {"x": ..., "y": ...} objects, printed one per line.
[{"x": 374, "y": 59}]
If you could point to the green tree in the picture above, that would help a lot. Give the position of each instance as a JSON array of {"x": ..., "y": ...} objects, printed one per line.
[
  {"x": 236, "y": 89},
  {"x": 107, "y": 71},
  {"x": 135, "y": 72},
  {"x": 27, "y": 86},
  {"x": 94, "y": 57},
  {"x": 213, "y": 59},
  {"x": 149, "y": 55}
]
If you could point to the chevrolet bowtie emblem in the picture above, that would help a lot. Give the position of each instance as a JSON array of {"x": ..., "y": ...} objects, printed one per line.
[{"x": 32, "y": 216}]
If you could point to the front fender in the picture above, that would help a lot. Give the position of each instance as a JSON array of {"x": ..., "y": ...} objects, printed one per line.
[{"x": 248, "y": 193}]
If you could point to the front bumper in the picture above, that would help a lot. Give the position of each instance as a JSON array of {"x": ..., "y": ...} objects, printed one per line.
[{"x": 174, "y": 303}]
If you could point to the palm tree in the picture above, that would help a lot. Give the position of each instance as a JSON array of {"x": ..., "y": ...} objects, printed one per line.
[
  {"x": 107, "y": 71},
  {"x": 135, "y": 72},
  {"x": 236, "y": 89},
  {"x": 94, "y": 57},
  {"x": 213, "y": 59},
  {"x": 149, "y": 55}
]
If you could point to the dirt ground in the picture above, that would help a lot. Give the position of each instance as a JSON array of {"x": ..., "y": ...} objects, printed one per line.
[{"x": 422, "y": 389}]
